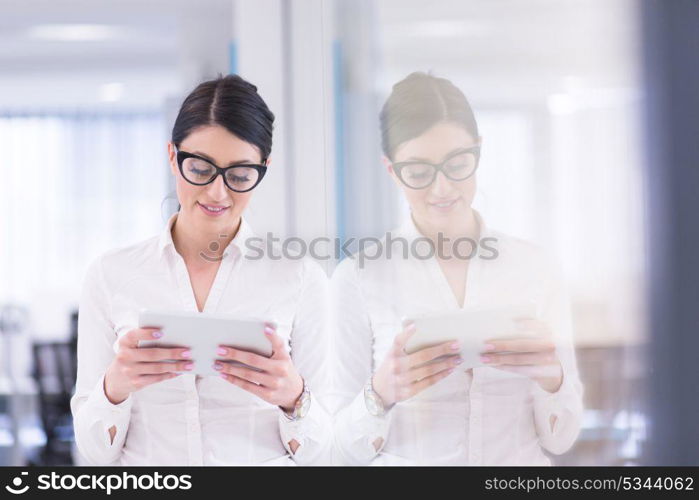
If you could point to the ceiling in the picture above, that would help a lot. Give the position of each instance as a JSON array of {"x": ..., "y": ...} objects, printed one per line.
[
  {"x": 154, "y": 49},
  {"x": 137, "y": 53},
  {"x": 521, "y": 50}
]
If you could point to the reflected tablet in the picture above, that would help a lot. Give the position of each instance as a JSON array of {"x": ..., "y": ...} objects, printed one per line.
[
  {"x": 203, "y": 332},
  {"x": 470, "y": 326}
]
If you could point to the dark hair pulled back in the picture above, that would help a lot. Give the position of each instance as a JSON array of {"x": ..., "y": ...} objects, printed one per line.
[{"x": 417, "y": 103}]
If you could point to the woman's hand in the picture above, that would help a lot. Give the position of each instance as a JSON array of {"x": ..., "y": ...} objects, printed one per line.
[
  {"x": 278, "y": 382},
  {"x": 402, "y": 375},
  {"x": 135, "y": 367},
  {"x": 535, "y": 358}
]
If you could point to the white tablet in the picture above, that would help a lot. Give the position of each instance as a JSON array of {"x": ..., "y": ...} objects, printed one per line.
[
  {"x": 203, "y": 332},
  {"x": 471, "y": 326}
]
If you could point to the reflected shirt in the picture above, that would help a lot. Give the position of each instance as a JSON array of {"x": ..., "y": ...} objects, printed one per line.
[
  {"x": 481, "y": 416},
  {"x": 190, "y": 419}
]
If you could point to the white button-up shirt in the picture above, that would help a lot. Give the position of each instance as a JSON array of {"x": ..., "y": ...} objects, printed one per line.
[
  {"x": 194, "y": 420},
  {"x": 482, "y": 416}
]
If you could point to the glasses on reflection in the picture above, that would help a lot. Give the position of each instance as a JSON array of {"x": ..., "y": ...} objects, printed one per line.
[
  {"x": 200, "y": 172},
  {"x": 457, "y": 166}
]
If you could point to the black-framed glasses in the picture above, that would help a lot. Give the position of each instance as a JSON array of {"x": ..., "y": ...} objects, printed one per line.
[
  {"x": 459, "y": 165},
  {"x": 200, "y": 172}
]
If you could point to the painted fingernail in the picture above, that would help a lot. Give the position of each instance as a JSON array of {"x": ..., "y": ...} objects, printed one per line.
[
  {"x": 187, "y": 354},
  {"x": 222, "y": 351},
  {"x": 218, "y": 366},
  {"x": 485, "y": 359},
  {"x": 455, "y": 345},
  {"x": 189, "y": 366},
  {"x": 223, "y": 375},
  {"x": 489, "y": 347},
  {"x": 157, "y": 334},
  {"x": 268, "y": 330},
  {"x": 458, "y": 361},
  {"x": 450, "y": 370}
]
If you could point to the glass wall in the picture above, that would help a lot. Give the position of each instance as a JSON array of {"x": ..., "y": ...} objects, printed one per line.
[{"x": 556, "y": 94}]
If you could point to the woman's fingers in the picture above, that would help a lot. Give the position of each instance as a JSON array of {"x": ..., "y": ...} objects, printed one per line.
[
  {"x": 395, "y": 380},
  {"x": 402, "y": 338},
  {"x": 161, "y": 353},
  {"x": 132, "y": 338},
  {"x": 426, "y": 382},
  {"x": 258, "y": 390},
  {"x": 278, "y": 349},
  {"x": 520, "y": 358},
  {"x": 128, "y": 344},
  {"x": 430, "y": 353},
  {"x": 247, "y": 358},
  {"x": 425, "y": 371},
  {"x": 157, "y": 368},
  {"x": 519, "y": 345},
  {"x": 259, "y": 378}
]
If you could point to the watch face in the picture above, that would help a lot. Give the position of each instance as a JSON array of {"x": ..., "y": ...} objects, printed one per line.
[
  {"x": 304, "y": 405},
  {"x": 373, "y": 404}
]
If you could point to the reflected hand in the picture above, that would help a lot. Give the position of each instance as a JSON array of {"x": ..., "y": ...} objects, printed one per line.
[
  {"x": 535, "y": 358},
  {"x": 403, "y": 375}
]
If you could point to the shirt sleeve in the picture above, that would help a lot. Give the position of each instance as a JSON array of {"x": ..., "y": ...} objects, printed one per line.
[
  {"x": 557, "y": 415},
  {"x": 310, "y": 345},
  {"x": 355, "y": 429},
  {"x": 93, "y": 413}
]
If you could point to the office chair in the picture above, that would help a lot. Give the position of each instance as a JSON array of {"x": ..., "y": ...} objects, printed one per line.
[{"x": 55, "y": 370}]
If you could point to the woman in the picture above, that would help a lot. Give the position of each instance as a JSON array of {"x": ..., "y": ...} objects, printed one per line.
[
  {"x": 423, "y": 407},
  {"x": 130, "y": 406}
]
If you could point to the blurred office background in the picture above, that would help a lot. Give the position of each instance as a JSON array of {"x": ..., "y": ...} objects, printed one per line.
[{"x": 89, "y": 91}]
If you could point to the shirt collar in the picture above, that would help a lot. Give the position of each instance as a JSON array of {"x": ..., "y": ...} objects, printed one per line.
[
  {"x": 236, "y": 247},
  {"x": 409, "y": 230}
]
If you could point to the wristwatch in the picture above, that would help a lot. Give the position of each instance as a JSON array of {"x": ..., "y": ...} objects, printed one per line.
[
  {"x": 303, "y": 403},
  {"x": 373, "y": 401}
]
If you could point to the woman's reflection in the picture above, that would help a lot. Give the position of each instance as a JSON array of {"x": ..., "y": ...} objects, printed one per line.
[{"x": 427, "y": 407}]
